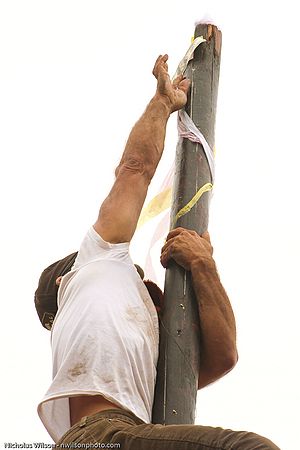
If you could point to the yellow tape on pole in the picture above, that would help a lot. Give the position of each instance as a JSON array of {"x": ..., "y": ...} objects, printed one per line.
[{"x": 207, "y": 187}]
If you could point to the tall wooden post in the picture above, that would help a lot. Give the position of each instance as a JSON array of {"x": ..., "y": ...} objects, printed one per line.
[{"x": 179, "y": 359}]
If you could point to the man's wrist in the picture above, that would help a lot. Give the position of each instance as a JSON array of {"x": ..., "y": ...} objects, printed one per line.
[
  {"x": 163, "y": 102},
  {"x": 205, "y": 266}
]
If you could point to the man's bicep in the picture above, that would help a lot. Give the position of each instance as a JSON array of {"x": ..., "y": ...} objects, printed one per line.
[{"x": 120, "y": 211}]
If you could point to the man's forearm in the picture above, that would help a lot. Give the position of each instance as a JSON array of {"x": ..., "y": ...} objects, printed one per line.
[
  {"x": 145, "y": 143},
  {"x": 120, "y": 211},
  {"x": 218, "y": 330},
  {"x": 218, "y": 335}
]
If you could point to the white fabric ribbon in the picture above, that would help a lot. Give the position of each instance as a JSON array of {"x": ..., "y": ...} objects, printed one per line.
[{"x": 187, "y": 129}]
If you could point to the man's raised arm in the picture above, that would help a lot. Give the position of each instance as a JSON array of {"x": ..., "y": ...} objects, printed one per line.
[
  {"x": 217, "y": 322},
  {"x": 120, "y": 211}
]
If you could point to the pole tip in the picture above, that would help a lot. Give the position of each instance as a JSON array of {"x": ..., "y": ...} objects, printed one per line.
[{"x": 206, "y": 20}]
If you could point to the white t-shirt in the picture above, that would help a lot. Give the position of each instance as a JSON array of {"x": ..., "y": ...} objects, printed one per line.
[{"x": 104, "y": 337}]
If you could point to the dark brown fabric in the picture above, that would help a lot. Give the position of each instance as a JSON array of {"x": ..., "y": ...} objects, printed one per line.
[
  {"x": 45, "y": 297},
  {"x": 121, "y": 429}
]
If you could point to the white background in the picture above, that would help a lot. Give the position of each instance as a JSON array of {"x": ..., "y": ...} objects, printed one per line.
[{"x": 75, "y": 76}]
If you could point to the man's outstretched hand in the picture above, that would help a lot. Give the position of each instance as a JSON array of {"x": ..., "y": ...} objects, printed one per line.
[{"x": 176, "y": 92}]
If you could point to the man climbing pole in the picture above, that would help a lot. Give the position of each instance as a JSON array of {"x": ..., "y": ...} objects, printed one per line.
[{"x": 105, "y": 333}]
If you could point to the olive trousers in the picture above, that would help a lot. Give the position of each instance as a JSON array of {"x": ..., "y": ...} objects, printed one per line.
[{"x": 120, "y": 429}]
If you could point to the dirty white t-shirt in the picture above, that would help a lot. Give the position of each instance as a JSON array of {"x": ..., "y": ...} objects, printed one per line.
[{"x": 104, "y": 336}]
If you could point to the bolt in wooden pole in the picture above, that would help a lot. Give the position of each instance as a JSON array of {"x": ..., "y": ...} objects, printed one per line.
[{"x": 179, "y": 358}]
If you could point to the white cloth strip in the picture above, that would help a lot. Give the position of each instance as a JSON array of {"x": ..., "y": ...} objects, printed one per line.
[{"x": 187, "y": 129}]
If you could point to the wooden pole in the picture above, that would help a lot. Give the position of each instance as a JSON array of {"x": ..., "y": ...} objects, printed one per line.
[{"x": 179, "y": 356}]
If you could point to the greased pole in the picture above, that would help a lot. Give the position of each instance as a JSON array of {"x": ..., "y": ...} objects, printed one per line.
[{"x": 179, "y": 355}]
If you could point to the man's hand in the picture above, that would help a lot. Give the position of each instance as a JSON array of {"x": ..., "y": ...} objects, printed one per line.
[
  {"x": 176, "y": 92},
  {"x": 187, "y": 247}
]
